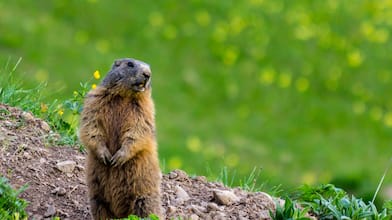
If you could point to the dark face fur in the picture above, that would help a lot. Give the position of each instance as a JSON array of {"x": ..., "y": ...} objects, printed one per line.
[{"x": 129, "y": 74}]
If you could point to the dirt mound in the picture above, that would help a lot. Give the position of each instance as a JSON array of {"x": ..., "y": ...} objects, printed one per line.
[{"x": 56, "y": 183}]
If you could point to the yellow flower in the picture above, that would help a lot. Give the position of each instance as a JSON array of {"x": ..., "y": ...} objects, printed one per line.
[
  {"x": 203, "y": 18},
  {"x": 355, "y": 58},
  {"x": 309, "y": 178},
  {"x": 170, "y": 32},
  {"x": 93, "y": 86},
  {"x": 232, "y": 160},
  {"x": 302, "y": 84},
  {"x": 376, "y": 113},
  {"x": 44, "y": 108},
  {"x": 284, "y": 80},
  {"x": 194, "y": 144},
  {"x": 359, "y": 108},
  {"x": 102, "y": 46},
  {"x": 156, "y": 19},
  {"x": 230, "y": 56},
  {"x": 388, "y": 119},
  {"x": 96, "y": 74},
  {"x": 267, "y": 76},
  {"x": 175, "y": 163},
  {"x": 60, "y": 112}
]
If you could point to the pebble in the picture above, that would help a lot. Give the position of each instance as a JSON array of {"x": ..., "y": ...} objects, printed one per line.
[
  {"x": 27, "y": 156},
  {"x": 59, "y": 191},
  {"x": 219, "y": 216},
  {"x": 224, "y": 197},
  {"x": 198, "y": 210},
  {"x": 264, "y": 214},
  {"x": 8, "y": 124},
  {"x": 44, "y": 126},
  {"x": 171, "y": 209},
  {"x": 201, "y": 178},
  {"x": 193, "y": 217},
  {"x": 178, "y": 175},
  {"x": 66, "y": 166},
  {"x": 27, "y": 116},
  {"x": 181, "y": 194},
  {"x": 51, "y": 211},
  {"x": 213, "y": 207},
  {"x": 37, "y": 217}
]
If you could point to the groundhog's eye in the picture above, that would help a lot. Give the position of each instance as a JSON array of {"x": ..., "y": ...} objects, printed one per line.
[{"x": 131, "y": 64}]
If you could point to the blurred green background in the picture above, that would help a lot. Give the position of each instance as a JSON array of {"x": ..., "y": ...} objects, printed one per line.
[{"x": 299, "y": 90}]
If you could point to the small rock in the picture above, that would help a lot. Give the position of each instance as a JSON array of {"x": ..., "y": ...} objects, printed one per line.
[
  {"x": 201, "y": 179},
  {"x": 213, "y": 207},
  {"x": 181, "y": 194},
  {"x": 42, "y": 160},
  {"x": 63, "y": 214},
  {"x": 37, "y": 217},
  {"x": 2, "y": 137},
  {"x": 8, "y": 124},
  {"x": 225, "y": 197},
  {"x": 265, "y": 214},
  {"x": 27, "y": 116},
  {"x": 219, "y": 216},
  {"x": 178, "y": 175},
  {"x": 75, "y": 202},
  {"x": 66, "y": 166},
  {"x": 242, "y": 215},
  {"x": 59, "y": 191},
  {"x": 193, "y": 217},
  {"x": 265, "y": 195},
  {"x": 27, "y": 156},
  {"x": 80, "y": 158},
  {"x": 44, "y": 126},
  {"x": 171, "y": 209},
  {"x": 51, "y": 211},
  {"x": 198, "y": 210},
  {"x": 80, "y": 168},
  {"x": 172, "y": 175}
]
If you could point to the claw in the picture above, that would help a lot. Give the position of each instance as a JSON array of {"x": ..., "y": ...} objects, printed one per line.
[
  {"x": 105, "y": 156},
  {"x": 118, "y": 159}
]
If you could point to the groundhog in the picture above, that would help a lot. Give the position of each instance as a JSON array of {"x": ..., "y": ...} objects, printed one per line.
[{"x": 118, "y": 129}]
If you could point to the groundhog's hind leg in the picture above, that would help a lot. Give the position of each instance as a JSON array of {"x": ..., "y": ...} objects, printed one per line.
[
  {"x": 99, "y": 210},
  {"x": 144, "y": 206}
]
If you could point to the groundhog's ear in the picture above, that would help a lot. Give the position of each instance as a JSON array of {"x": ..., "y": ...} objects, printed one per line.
[{"x": 117, "y": 63}]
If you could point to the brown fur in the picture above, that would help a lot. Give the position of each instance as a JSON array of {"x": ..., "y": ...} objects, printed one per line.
[{"x": 118, "y": 130}]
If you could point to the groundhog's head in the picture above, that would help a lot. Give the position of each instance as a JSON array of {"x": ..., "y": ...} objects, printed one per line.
[{"x": 128, "y": 74}]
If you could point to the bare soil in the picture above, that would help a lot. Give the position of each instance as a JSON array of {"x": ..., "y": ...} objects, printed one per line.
[{"x": 29, "y": 156}]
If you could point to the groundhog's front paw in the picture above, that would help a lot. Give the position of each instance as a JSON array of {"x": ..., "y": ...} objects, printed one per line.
[
  {"x": 104, "y": 155},
  {"x": 119, "y": 158}
]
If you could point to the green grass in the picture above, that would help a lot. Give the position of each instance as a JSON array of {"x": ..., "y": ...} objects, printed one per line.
[
  {"x": 329, "y": 202},
  {"x": 62, "y": 116},
  {"x": 11, "y": 207},
  {"x": 298, "y": 88}
]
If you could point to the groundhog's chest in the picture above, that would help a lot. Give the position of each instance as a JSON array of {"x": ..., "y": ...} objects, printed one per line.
[{"x": 117, "y": 118}]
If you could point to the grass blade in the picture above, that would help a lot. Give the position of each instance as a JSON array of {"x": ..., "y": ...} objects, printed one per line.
[{"x": 382, "y": 180}]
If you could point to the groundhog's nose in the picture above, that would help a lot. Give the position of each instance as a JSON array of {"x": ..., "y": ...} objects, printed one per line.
[
  {"x": 146, "y": 75},
  {"x": 145, "y": 70}
]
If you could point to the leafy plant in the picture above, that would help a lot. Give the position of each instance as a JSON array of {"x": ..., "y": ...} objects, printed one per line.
[
  {"x": 248, "y": 183},
  {"x": 11, "y": 207},
  {"x": 330, "y": 202},
  {"x": 134, "y": 217},
  {"x": 290, "y": 210},
  {"x": 62, "y": 116}
]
